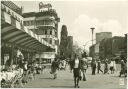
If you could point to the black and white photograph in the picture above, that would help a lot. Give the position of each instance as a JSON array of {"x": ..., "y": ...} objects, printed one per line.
[{"x": 64, "y": 44}]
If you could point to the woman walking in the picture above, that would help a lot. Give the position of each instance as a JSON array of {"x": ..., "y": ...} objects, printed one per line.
[
  {"x": 84, "y": 65},
  {"x": 76, "y": 67},
  {"x": 112, "y": 66}
]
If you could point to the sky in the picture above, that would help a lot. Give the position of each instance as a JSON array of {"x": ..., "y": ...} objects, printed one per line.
[{"x": 80, "y": 16}]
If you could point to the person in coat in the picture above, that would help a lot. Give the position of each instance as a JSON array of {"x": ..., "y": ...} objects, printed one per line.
[
  {"x": 54, "y": 67},
  {"x": 76, "y": 67}
]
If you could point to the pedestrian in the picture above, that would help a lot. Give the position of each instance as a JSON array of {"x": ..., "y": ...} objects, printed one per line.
[
  {"x": 123, "y": 68},
  {"x": 93, "y": 65},
  {"x": 54, "y": 67},
  {"x": 84, "y": 64},
  {"x": 25, "y": 72},
  {"x": 76, "y": 67},
  {"x": 99, "y": 67},
  {"x": 63, "y": 64},
  {"x": 105, "y": 66},
  {"x": 70, "y": 64},
  {"x": 112, "y": 66}
]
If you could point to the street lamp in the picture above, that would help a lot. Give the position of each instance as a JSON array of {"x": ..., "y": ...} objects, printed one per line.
[{"x": 92, "y": 29}]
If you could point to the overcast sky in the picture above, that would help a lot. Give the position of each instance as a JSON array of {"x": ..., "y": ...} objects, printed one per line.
[{"x": 80, "y": 16}]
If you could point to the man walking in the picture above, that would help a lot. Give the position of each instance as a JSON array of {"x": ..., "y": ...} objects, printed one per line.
[{"x": 93, "y": 65}]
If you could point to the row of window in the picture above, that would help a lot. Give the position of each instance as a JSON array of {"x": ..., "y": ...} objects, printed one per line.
[
  {"x": 12, "y": 13},
  {"x": 39, "y": 22},
  {"x": 46, "y": 32}
]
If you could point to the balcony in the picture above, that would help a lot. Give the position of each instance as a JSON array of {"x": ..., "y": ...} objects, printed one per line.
[
  {"x": 51, "y": 26},
  {"x": 49, "y": 36}
]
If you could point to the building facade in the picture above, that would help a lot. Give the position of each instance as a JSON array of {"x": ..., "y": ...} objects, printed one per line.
[
  {"x": 102, "y": 35},
  {"x": 16, "y": 39},
  {"x": 112, "y": 47},
  {"x": 45, "y": 24},
  {"x": 94, "y": 50}
]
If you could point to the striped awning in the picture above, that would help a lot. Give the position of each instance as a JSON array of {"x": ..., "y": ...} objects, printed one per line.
[{"x": 14, "y": 32}]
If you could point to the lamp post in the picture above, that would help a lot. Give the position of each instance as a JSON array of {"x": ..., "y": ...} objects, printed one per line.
[{"x": 92, "y": 29}]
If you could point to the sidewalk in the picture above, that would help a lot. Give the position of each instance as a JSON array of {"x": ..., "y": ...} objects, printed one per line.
[{"x": 65, "y": 80}]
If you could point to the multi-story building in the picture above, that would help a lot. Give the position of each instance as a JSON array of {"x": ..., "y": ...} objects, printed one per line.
[
  {"x": 16, "y": 39},
  {"x": 45, "y": 24},
  {"x": 102, "y": 35},
  {"x": 112, "y": 47},
  {"x": 94, "y": 50}
]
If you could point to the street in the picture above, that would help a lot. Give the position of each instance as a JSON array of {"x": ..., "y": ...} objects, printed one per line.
[{"x": 65, "y": 80}]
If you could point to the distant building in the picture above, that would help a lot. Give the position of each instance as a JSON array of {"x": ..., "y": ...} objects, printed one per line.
[
  {"x": 69, "y": 46},
  {"x": 126, "y": 47},
  {"x": 45, "y": 24},
  {"x": 102, "y": 35},
  {"x": 94, "y": 50},
  {"x": 112, "y": 47}
]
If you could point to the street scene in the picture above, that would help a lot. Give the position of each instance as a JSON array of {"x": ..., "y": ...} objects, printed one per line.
[{"x": 64, "y": 44}]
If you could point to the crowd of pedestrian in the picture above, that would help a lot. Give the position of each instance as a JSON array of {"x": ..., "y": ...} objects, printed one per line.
[{"x": 79, "y": 64}]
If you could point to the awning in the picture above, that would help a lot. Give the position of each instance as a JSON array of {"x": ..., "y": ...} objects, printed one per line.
[{"x": 16, "y": 33}]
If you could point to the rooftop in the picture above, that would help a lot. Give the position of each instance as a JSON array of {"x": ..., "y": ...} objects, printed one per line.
[{"x": 51, "y": 12}]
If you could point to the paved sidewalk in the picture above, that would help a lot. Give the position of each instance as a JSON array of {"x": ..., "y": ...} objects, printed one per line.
[{"x": 65, "y": 80}]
